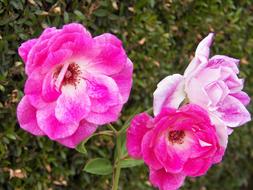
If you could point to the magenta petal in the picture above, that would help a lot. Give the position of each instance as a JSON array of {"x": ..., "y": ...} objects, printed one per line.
[
  {"x": 233, "y": 112},
  {"x": 197, "y": 167},
  {"x": 75, "y": 27},
  {"x": 233, "y": 82},
  {"x": 25, "y": 48},
  {"x": 139, "y": 126},
  {"x": 49, "y": 92},
  {"x": 74, "y": 42},
  {"x": 111, "y": 115},
  {"x": 56, "y": 58},
  {"x": 26, "y": 115},
  {"x": 111, "y": 59},
  {"x": 106, "y": 102},
  {"x": 148, "y": 154},
  {"x": 84, "y": 130},
  {"x": 166, "y": 181},
  {"x": 223, "y": 60},
  {"x": 33, "y": 84},
  {"x": 242, "y": 97},
  {"x": 33, "y": 87},
  {"x": 73, "y": 104},
  {"x": 36, "y": 101},
  {"x": 103, "y": 93},
  {"x": 51, "y": 126},
  {"x": 38, "y": 53},
  {"x": 169, "y": 93},
  {"x": 124, "y": 80},
  {"x": 108, "y": 38},
  {"x": 167, "y": 156}
]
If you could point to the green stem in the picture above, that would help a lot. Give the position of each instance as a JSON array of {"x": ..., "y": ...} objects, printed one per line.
[
  {"x": 117, "y": 167},
  {"x": 109, "y": 133},
  {"x": 119, "y": 157},
  {"x": 112, "y": 128}
]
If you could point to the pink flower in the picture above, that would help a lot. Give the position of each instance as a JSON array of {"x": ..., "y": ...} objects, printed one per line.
[
  {"x": 75, "y": 82},
  {"x": 175, "y": 144},
  {"x": 211, "y": 83}
]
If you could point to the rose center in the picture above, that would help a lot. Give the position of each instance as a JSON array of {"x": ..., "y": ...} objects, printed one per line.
[
  {"x": 71, "y": 75},
  {"x": 176, "y": 137},
  {"x": 67, "y": 74}
]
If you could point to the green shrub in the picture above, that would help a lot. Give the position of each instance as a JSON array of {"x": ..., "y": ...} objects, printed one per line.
[{"x": 160, "y": 38}]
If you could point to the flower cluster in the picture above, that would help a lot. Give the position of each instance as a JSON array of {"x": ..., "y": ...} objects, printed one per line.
[
  {"x": 186, "y": 140},
  {"x": 75, "y": 83}
]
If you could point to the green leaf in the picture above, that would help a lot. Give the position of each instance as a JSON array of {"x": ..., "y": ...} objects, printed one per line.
[
  {"x": 79, "y": 14},
  {"x": 99, "y": 166},
  {"x": 128, "y": 163},
  {"x": 101, "y": 13},
  {"x": 66, "y": 17},
  {"x": 81, "y": 148}
]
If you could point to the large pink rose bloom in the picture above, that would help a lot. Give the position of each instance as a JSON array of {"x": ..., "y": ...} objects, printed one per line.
[
  {"x": 75, "y": 83},
  {"x": 175, "y": 144},
  {"x": 211, "y": 83}
]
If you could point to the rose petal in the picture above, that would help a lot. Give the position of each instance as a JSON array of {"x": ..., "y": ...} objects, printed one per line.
[
  {"x": 49, "y": 91},
  {"x": 233, "y": 112},
  {"x": 201, "y": 56},
  {"x": 221, "y": 130},
  {"x": 25, "y": 48},
  {"x": 203, "y": 48},
  {"x": 197, "y": 94},
  {"x": 103, "y": 92},
  {"x": 149, "y": 156},
  {"x": 197, "y": 167},
  {"x": 33, "y": 88},
  {"x": 139, "y": 126},
  {"x": 217, "y": 91},
  {"x": 106, "y": 102},
  {"x": 26, "y": 115},
  {"x": 111, "y": 115},
  {"x": 167, "y": 156},
  {"x": 165, "y": 180},
  {"x": 169, "y": 93},
  {"x": 84, "y": 130},
  {"x": 223, "y": 60},
  {"x": 242, "y": 97},
  {"x": 111, "y": 58},
  {"x": 56, "y": 58},
  {"x": 73, "y": 104},
  {"x": 49, "y": 124},
  {"x": 124, "y": 80}
]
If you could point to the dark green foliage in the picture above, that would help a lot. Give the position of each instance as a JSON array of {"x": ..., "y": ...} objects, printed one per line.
[{"x": 160, "y": 38}]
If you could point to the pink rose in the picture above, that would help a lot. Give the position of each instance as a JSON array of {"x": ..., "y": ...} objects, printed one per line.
[
  {"x": 175, "y": 144},
  {"x": 210, "y": 83},
  {"x": 75, "y": 82}
]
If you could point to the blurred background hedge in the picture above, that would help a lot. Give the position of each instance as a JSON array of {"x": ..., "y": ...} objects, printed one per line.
[{"x": 160, "y": 38}]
